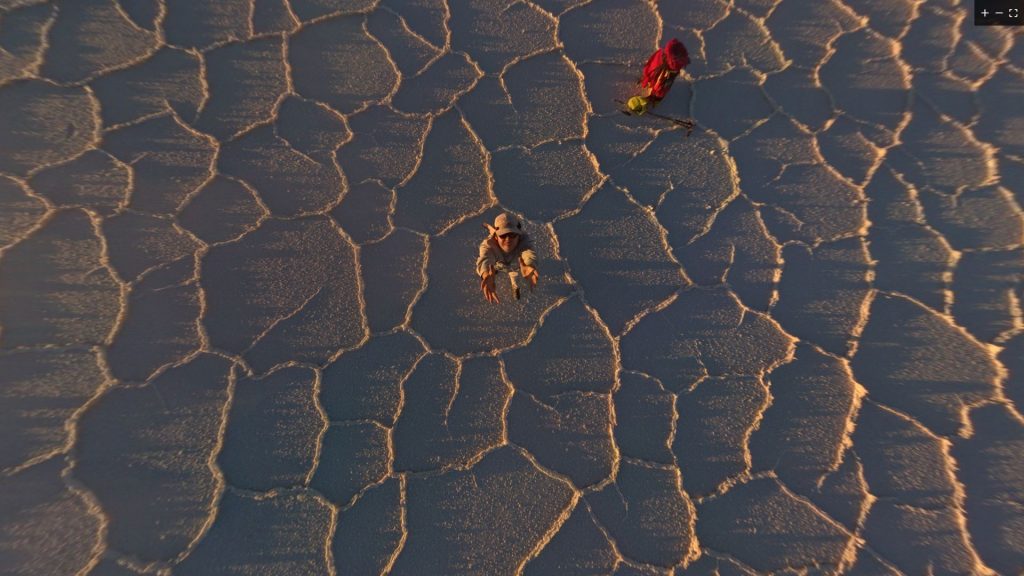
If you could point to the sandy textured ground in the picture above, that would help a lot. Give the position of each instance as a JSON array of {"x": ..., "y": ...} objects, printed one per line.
[{"x": 240, "y": 331}]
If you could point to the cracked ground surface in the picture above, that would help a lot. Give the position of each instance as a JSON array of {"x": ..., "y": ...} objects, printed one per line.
[{"x": 240, "y": 331}]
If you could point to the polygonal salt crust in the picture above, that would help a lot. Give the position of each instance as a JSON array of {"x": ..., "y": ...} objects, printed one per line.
[
  {"x": 1012, "y": 358},
  {"x": 270, "y": 16},
  {"x": 769, "y": 528},
  {"x": 707, "y": 564},
  {"x": 409, "y": 51},
  {"x": 438, "y": 86},
  {"x": 732, "y": 103},
  {"x": 715, "y": 424},
  {"x": 949, "y": 95},
  {"x": 614, "y": 250},
  {"x": 289, "y": 182},
  {"x": 758, "y": 8},
  {"x": 995, "y": 126},
  {"x": 917, "y": 258},
  {"x": 42, "y": 390},
  {"x": 244, "y": 82},
  {"x": 366, "y": 383},
  {"x": 426, "y": 18},
  {"x": 822, "y": 293},
  {"x": 699, "y": 15},
  {"x": 570, "y": 352},
  {"x": 385, "y": 145},
  {"x": 970, "y": 62},
  {"x": 569, "y": 433},
  {"x": 705, "y": 332},
  {"x": 336, "y": 62},
  {"x": 616, "y": 139},
  {"x": 199, "y": 25},
  {"x": 272, "y": 431},
  {"x": 169, "y": 79},
  {"x": 222, "y": 210},
  {"x": 449, "y": 417},
  {"x": 867, "y": 79},
  {"x": 929, "y": 36},
  {"x": 698, "y": 187},
  {"x": 797, "y": 92},
  {"x": 451, "y": 181},
  {"x": 19, "y": 212},
  {"x": 929, "y": 538},
  {"x": 945, "y": 156},
  {"x": 844, "y": 494},
  {"x": 138, "y": 242},
  {"x": 982, "y": 219},
  {"x": 90, "y": 37},
  {"x": 289, "y": 286},
  {"x": 365, "y": 214},
  {"x": 144, "y": 454},
  {"x": 22, "y": 31},
  {"x": 353, "y": 457},
  {"x": 392, "y": 269},
  {"x": 94, "y": 180},
  {"x": 159, "y": 324},
  {"x": 737, "y": 251},
  {"x": 890, "y": 19},
  {"x": 285, "y": 533},
  {"x": 311, "y": 127},
  {"x": 109, "y": 565},
  {"x": 142, "y": 12},
  {"x": 520, "y": 111},
  {"x": 623, "y": 31},
  {"x": 762, "y": 155},
  {"x": 490, "y": 517},
  {"x": 311, "y": 9},
  {"x": 739, "y": 40},
  {"x": 648, "y": 515},
  {"x": 825, "y": 206},
  {"x": 805, "y": 31},
  {"x": 802, "y": 434},
  {"x": 645, "y": 419},
  {"x": 50, "y": 124},
  {"x": 902, "y": 460},
  {"x": 992, "y": 471},
  {"x": 370, "y": 532},
  {"x": 846, "y": 149},
  {"x": 579, "y": 547},
  {"x": 987, "y": 291},
  {"x": 168, "y": 162},
  {"x": 36, "y": 502},
  {"x": 56, "y": 290},
  {"x": 938, "y": 371},
  {"x": 497, "y": 32}
]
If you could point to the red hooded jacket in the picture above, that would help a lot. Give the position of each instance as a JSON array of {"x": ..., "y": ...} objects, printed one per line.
[{"x": 662, "y": 68}]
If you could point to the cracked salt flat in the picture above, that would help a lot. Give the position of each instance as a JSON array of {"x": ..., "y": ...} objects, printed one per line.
[{"x": 240, "y": 330}]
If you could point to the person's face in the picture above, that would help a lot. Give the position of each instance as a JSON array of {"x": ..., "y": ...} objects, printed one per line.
[{"x": 508, "y": 242}]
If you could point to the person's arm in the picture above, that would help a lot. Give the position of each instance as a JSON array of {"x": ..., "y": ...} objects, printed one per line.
[
  {"x": 485, "y": 259},
  {"x": 485, "y": 270},
  {"x": 528, "y": 262}
]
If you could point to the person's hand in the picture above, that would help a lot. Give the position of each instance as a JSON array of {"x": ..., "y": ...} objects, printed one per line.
[
  {"x": 487, "y": 285},
  {"x": 529, "y": 273}
]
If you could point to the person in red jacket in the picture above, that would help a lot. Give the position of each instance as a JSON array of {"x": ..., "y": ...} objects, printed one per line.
[{"x": 659, "y": 73}]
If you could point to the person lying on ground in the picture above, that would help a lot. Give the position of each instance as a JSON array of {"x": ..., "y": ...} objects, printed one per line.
[
  {"x": 660, "y": 72},
  {"x": 505, "y": 245}
]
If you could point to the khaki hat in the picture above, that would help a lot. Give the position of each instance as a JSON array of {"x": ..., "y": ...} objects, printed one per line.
[{"x": 506, "y": 223}]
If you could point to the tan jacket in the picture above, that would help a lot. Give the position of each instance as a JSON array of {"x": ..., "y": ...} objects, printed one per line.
[{"x": 491, "y": 255}]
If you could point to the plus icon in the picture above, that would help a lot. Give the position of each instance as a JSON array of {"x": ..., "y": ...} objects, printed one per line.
[{"x": 984, "y": 12}]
